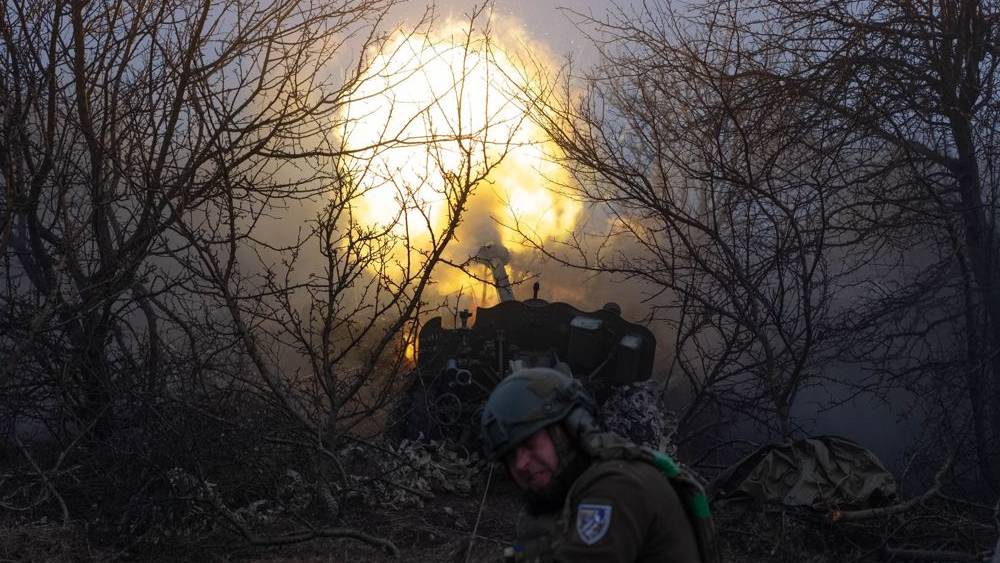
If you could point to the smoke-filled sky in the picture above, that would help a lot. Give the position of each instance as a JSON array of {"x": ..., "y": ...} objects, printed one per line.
[
  {"x": 412, "y": 94},
  {"x": 547, "y": 21}
]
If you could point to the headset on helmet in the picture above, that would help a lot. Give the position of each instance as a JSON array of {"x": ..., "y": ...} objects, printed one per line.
[{"x": 529, "y": 400}]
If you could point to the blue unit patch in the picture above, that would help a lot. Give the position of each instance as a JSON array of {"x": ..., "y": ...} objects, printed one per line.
[{"x": 593, "y": 522}]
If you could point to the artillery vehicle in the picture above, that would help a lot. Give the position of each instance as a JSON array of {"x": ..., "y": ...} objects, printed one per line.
[{"x": 457, "y": 368}]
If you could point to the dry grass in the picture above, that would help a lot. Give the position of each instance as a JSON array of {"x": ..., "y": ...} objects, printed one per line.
[{"x": 30, "y": 541}]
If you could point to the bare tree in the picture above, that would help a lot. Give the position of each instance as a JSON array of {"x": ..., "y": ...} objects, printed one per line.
[
  {"x": 805, "y": 183},
  {"x": 122, "y": 120},
  {"x": 728, "y": 199},
  {"x": 345, "y": 314},
  {"x": 184, "y": 241},
  {"x": 920, "y": 79},
  {"x": 324, "y": 318},
  {"x": 143, "y": 147}
]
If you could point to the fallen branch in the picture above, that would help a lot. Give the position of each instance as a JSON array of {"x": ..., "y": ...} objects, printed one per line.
[
  {"x": 296, "y": 537},
  {"x": 333, "y": 533},
  {"x": 928, "y": 555},
  {"x": 854, "y": 515}
]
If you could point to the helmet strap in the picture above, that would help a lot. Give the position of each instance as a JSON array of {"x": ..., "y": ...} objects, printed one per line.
[{"x": 565, "y": 447}]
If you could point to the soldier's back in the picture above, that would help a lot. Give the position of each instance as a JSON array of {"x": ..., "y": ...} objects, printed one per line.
[{"x": 616, "y": 511}]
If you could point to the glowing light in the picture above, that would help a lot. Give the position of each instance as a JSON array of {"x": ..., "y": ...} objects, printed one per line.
[{"x": 449, "y": 102}]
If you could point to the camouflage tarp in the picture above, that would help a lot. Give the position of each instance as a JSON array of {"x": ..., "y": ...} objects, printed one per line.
[{"x": 821, "y": 472}]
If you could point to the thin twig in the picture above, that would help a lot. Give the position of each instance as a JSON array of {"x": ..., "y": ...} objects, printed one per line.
[
  {"x": 46, "y": 481},
  {"x": 482, "y": 503},
  {"x": 296, "y": 537}
]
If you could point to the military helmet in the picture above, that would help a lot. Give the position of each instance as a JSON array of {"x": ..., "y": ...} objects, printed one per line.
[{"x": 525, "y": 402}]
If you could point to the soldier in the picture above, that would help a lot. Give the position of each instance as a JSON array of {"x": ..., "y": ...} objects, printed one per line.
[{"x": 589, "y": 495}]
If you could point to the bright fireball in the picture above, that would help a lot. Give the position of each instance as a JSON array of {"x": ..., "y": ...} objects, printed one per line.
[{"x": 447, "y": 102}]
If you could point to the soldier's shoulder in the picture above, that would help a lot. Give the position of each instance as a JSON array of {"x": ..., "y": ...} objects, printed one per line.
[{"x": 623, "y": 472}]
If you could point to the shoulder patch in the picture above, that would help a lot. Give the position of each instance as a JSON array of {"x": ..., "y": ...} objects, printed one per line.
[{"x": 592, "y": 522}]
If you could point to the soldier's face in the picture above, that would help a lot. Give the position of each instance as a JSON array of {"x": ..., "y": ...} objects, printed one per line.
[{"x": 533, "y": 464}]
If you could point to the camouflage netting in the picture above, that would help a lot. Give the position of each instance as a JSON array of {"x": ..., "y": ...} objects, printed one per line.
[
  {"x": 407, "y": 473},
  {"x": 635, "y": 412},
  {"x": 821, "y": 472}
]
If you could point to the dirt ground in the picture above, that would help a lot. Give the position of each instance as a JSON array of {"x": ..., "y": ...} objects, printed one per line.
[{"x": 441, "y": 531}]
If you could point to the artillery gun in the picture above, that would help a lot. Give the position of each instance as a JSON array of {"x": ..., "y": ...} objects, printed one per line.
[{"x": 457, "y": 368}]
